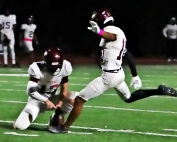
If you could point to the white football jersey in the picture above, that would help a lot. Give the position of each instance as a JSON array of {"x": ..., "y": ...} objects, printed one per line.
[
  {"x": 170, "y": 31},
  {"x": 47, "y": 82},
  {"x": 28, "y": 30},
  {"x": 7, "y": 22},
  {"x": 113, "y": 50}
]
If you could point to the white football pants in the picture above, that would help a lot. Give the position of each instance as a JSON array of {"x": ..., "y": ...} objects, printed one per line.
[{"x": 105, "y": 82}]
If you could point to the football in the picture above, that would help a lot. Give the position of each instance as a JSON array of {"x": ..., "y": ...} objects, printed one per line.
[{"x": 56, "y": 120}]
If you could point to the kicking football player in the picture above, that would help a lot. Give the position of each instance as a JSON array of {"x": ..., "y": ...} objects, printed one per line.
[
  {"x": 113, "y": 42},
  {"x": 45, "y": 78},
  {"x": 7, "y": 27},
  {"x": 27, "y": 35}
]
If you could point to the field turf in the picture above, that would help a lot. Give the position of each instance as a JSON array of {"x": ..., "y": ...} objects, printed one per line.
[{"x": 103, "y": 119}]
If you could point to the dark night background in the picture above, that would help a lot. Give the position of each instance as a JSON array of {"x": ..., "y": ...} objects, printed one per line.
[{"x": 64, "y": 22}]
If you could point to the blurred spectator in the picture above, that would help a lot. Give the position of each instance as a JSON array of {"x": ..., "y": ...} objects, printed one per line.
[
  {"x": 27, "y": 36},
  {"x": 170, "y": 33}
]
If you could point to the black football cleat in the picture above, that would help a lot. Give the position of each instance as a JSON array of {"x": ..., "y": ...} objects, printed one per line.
[
  {"x": 167, "y": 90},
  {"x": 17, "y": 65},
  {"x": 57, "y": 130}
]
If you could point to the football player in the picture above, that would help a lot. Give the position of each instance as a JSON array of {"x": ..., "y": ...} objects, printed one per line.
[
  {"x": 27, "y": 35},
  {"x": 113, "y": 41},
  {"x": 170, "y": 33},
  {"x": 7, "y": 27},
  {"x": 45, "y": 78}
]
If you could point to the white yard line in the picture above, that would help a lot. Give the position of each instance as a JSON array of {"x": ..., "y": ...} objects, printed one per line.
[
  {"x": 27, "y": 75},
  {"x": 170, "y": 130},
  {"x": 72, "y": 84},
  {"x": 105, "y": 130},
  {"x": 80, "y": 133},
  {"x": 18, "y": 134},
  {"x": 109, "y": 108}
]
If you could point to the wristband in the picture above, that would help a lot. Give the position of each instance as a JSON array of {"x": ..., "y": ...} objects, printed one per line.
[{"x": 101, "y": 32}]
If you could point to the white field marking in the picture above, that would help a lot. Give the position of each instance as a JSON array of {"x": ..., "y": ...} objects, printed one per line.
[
  {"x": 107, "y": 130},
  {"x": 156, "y": 75},
  {"x": 12, "y": 90},
  {"x": 18, "y": 134},
  {"x": 72, "y": 84},
  {"x": 170, "y": 130},
  {"x": 110, "y": 108},
  {"x": 27, "y": 75},
  {"x": 18, "y": 102},
  {"x": 131, "y": 109},
  {"x": 80, "y": 133}
]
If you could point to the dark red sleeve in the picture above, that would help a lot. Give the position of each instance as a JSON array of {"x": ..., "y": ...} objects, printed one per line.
[
  {"x": 33, "y": 79},
  {"x": 64, "y": 80}
]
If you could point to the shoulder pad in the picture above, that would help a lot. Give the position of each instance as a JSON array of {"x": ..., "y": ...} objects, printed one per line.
[
  {"x": 113, "y": 30},
  {"x": 67, "y": 68},
  {"x": 23, "y": 27},
  {"x": 34, "y": 71},
  {"x": 34, "y": 26}
]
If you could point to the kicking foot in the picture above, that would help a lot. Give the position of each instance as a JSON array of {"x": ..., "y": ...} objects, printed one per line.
[{"x": 167, "y": 90}]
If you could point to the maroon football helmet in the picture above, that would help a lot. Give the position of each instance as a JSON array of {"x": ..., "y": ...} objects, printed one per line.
[
  {"x": 53, "y": 59},
  {"x": 173, "y": 21},
  {"x": 102, "y": 17},
  {"x": 30, "y": 20}
]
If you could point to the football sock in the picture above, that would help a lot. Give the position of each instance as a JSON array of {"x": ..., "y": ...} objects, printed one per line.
[
  {"x": 13, "y": 56},
  {"x": 5, "y": 55},
  {"x": 141, "y": 94}
]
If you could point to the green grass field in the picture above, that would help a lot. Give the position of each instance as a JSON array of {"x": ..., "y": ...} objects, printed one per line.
[{"x": 104, "y": 119}]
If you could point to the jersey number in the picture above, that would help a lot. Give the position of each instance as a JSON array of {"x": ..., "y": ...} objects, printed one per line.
[
  {"x": 122, "y": 50},
  {"x": 31, "y": 34},
  {"x": 6, "y": 25}
]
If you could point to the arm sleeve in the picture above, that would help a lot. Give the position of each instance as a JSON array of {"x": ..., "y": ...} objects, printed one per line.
[
  {"x": 128, "y": 56},
  {"x": 32, "y": 91}
]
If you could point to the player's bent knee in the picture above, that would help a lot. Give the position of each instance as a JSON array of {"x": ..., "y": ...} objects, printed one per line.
[
  {"x": 22, "y": 122},
  {"x": 80, "y": 100}
]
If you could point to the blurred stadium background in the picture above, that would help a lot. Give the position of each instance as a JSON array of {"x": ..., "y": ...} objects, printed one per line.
[{"x": 65, "y": 24}]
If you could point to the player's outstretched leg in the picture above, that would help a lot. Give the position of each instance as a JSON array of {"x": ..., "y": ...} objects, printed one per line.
[{"x": 144, "y": 93}]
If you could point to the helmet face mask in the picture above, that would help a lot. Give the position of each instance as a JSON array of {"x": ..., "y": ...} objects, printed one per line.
[
  {"x": 52, "y": 68},
  {"x": 53, "y": 60}
]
